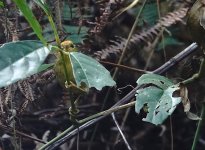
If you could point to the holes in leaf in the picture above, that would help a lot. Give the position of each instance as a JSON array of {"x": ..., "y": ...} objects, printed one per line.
[
  {"x": 161, "y": 82},
  {"x": 146, "y": 108},
  {"x": 176, "y": 93},
  {"x": 156, "y": 112}
]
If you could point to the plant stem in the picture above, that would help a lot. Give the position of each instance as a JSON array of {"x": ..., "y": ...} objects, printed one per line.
[
  {"x": 107, "y": 112},
  {"x": 196, "y": 137},
  {"x": 57, "y": 137},
  {"x": 50, "y": 19},
  {"x": 125, "y": 67},
  {"x": 129, "y": 37},
  {"x": 103, "y": 113},
  {"x": 197, "y": 75}
]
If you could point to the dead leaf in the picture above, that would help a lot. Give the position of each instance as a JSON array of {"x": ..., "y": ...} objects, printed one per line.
[
  {"x": 192, "y": 116},
  {"x": 184, "y": 97}
]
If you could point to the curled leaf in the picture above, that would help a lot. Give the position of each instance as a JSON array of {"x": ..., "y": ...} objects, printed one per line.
[
  {"x": 184, "y": 97},
  {"x": 160, "y": 103}
]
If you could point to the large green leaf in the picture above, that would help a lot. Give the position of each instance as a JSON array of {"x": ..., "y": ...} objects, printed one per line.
[
  {"x": 90, "y": 72},
  {"x": 28, "y": 14},
  {"x": 20, "y": 59},
  {"x": 160, "y": 103}
]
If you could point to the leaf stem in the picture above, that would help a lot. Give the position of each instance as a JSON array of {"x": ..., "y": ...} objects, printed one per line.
[
  {"x": 50, "y": 19},
  {"x": 57, "y": 137}
]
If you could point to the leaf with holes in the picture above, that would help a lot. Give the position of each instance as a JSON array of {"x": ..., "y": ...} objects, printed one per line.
[
  {"x": 90, "y": 72},
  {"x": 155, "y": 79},
  {"x": 158, "y": 99},
  {"x": 20, "y": 59}
]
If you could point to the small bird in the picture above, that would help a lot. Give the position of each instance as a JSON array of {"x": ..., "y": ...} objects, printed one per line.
[
  {"x": 66, "y": 46},
  {"x": 196, "y": 22}
]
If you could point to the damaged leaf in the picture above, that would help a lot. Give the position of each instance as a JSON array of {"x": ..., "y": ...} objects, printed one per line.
[{"x": 158, "y": 98}]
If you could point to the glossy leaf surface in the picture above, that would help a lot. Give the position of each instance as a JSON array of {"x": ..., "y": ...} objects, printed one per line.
[{"x": 20, "y": 59}]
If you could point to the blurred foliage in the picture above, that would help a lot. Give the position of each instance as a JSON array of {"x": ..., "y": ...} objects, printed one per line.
[{"x": 149, "y": 14}]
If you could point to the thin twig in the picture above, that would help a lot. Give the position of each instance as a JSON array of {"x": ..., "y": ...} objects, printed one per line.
[
  {"x": 121, "y": 133},
  {"x": 123, "y": 122},
  {"x": 9, "y": 130},
  {"x": 153, "y": 45},
  {"x": 124, "y": 67}
]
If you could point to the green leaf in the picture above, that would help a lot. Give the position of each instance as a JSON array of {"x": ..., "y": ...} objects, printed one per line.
[
  {"x": 149, "y": 14},
  {"x": 20, "y": 59},
  {"x": 1, "y": 4},
  {"x": 155, "y": 79},
  {"x": 45, "y": 8},
  {"x": 28, "y": 14},
  {"x": 90, "y": 72},
  {"x": 160, "y": 103}
]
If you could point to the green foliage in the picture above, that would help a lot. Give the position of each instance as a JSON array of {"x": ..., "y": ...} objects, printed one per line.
[
  {"x": 158, "y": 97},
  {"x": 45, "y": 8},
  {"x": 168, "y": 41},
  {"x": 76, "y": 33},
  {"x": 85, "y": 69},
  {"x": 69, "y": 11},
  {"x": 149, "y": 14},
  {"x": 90, "y": 72},
  {"x": 21, "y": 59},
  {"x": 74, "y": 36},
  {"x": 28, "y": 14},
  {"x": 1, "y": 4}
]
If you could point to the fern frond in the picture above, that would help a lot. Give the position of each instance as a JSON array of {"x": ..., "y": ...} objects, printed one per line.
[
  {"x": 144, "y": 37},
  {"x": 26, "y": 89},
  {"x": 103, "y": 19}
]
